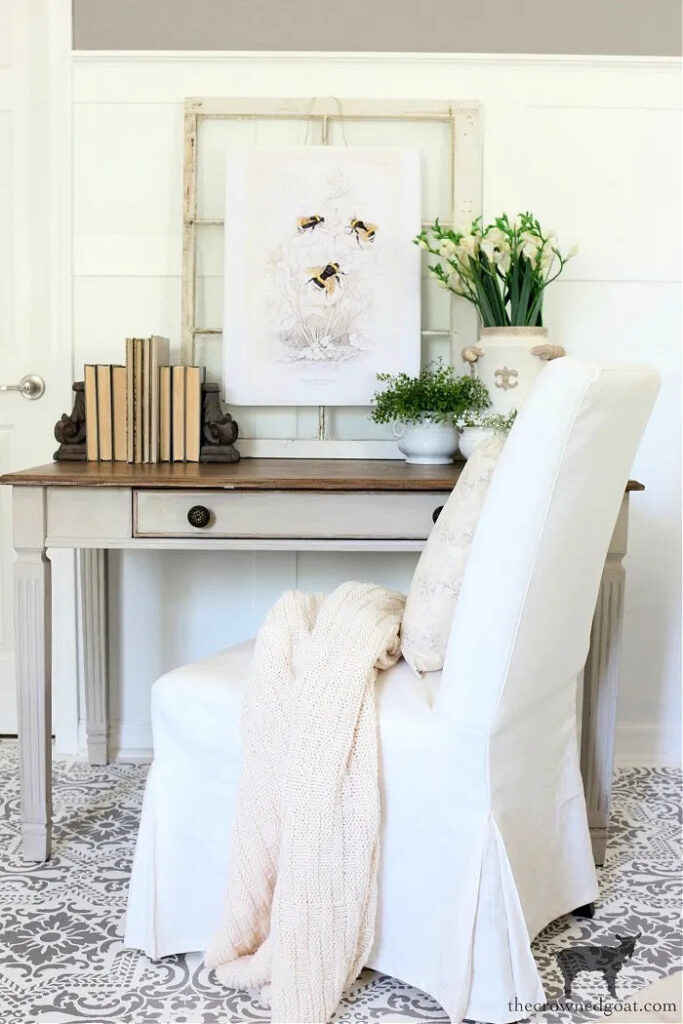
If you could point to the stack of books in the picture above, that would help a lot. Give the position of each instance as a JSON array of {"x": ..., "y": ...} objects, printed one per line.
[
  {"x": 145, "y": 411},
  {"x": 106, "y": 413},
  {"x": 180, "y": 412}
]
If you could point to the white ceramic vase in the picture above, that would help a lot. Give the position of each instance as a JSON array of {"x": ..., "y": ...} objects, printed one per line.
[
  {"x": 470, "y": 437},
  {"x": 426, "y": 442},
  {"x": 508, "y": 366}
]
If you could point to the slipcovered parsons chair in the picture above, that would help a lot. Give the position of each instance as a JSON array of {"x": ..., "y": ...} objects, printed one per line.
[{"x": 484, "y": 834}]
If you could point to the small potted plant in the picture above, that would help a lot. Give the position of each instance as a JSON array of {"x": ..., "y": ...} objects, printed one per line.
[
  {"x": 503, "y": 270},
  {"x": 475, "y": 429},
  {"x": 425, "y": 410}
]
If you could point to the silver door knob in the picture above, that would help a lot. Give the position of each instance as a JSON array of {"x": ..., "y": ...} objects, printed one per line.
[{"x": 31, "y": 386}]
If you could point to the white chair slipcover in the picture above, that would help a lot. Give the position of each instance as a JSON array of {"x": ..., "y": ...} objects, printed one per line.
[{"x": 484, "y": 836}]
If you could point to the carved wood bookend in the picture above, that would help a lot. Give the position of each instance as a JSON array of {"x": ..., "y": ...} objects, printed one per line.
[
  {"x": 219, "y": 430},
  {"x": 70, "y": 429}
]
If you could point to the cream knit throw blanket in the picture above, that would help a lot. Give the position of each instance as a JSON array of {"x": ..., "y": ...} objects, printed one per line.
[{"x": 302, "y": 890}]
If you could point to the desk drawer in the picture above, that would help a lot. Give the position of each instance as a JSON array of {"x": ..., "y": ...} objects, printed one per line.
[{"x": 276, "y": 514}]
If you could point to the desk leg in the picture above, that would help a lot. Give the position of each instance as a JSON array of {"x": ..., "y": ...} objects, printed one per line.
[
  {"x": 33, "y": 628},
  {"x": 93, "y": 569},
  {"x": 600, "y": 689}
]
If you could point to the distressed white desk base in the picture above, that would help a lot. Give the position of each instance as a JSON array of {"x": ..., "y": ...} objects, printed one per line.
[{"x": 95, "y": 519}]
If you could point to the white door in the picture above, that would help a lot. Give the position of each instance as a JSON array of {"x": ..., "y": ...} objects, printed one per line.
[{"x": 32, "y": 265}]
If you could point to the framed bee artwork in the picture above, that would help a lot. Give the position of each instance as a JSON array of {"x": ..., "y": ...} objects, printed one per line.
[
  {"x": 291, "y": 239},
  {"x": 322, "y": 280}
]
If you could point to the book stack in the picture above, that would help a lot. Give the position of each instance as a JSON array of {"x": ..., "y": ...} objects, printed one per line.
[
  {"x": 146, "y": 411},
  {"x": 144, "y": 358},
  {"x": 180, "y": 390},
  {"x": 106, "y": 413}
]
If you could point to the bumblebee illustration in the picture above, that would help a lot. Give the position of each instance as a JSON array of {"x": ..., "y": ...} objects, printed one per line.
[
  {"x": 309, "y": 223},
  {"x": 326, "y": 277},
  {"x": 363, "y": 231}
]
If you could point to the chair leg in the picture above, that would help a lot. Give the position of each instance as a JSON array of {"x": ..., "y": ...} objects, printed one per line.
[{"x": 587, "y": 910}]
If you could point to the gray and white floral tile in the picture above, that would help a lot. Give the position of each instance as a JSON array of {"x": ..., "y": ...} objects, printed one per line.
[{"x": 62, "y": 960}]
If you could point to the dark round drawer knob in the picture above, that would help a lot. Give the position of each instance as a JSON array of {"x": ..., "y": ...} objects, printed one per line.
[
  {"x": 199, "y": 516},
  {"x": 436, "y": 513}
]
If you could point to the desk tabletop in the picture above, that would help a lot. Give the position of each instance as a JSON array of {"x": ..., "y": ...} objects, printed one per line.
[
  {"x": 251, "y": 475},
  {"x": 247, "y": 475}
]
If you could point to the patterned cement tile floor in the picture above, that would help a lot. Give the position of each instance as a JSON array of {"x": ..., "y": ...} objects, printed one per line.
[{"x": 62, "y": 960}]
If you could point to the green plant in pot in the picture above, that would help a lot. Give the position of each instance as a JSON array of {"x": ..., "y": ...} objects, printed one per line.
[
  {"x": 425, "y": 410},
  {"x": 476, "y": 428}
]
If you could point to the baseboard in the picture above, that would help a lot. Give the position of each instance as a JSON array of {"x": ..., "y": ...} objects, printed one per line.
[
  {"x": 131, "y": 756},
  {"x": 648, "y": 744},
  {"x": 129, "y": 742}
]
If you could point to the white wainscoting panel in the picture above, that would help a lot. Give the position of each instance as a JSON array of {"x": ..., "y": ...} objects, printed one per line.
[
  {"x": 5, "y": 32},
  {"x": 607, "y": 179},
  {"x": 592, "y": 146},
  {"x": 511, "y": 80}
]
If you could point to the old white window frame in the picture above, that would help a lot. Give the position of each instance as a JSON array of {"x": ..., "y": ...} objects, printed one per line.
[{"x": 466, "y": 203}]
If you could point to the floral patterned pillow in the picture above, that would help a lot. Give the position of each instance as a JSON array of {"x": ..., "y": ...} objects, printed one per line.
[{"x": 441, "y": 569}]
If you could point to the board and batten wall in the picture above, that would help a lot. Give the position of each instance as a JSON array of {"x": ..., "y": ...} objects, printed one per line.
[{"x": 591, "y": 145}]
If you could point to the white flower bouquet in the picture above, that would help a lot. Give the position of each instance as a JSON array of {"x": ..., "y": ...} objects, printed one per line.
[{"x": 502, "y": 269}]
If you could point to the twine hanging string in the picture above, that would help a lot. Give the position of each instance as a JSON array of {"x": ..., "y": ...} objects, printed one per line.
[{"x": 310, "y": 118}]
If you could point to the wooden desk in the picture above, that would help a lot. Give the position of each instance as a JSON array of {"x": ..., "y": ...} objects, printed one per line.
[{"x": 258, "y": 504}]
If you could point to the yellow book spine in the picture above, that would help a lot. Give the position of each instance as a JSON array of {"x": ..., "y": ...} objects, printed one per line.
[
  {"x": 193, "y": 408},
  {"x": 91, "y": 428},
  {"x": 130, "y": 399},
  {"x": 104, "y": 412},
  {"x": 178, "y": 413},
  {"x": 165, "y": 413},
  {"x": 119, "y": 412},
  {"x": 139, "y": 384}
]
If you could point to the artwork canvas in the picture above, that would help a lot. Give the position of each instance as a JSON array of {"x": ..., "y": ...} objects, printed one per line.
[{"x": 322, "y": 281}]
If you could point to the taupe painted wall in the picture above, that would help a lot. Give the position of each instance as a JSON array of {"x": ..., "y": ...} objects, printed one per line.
[{"x": 630, "y": 27}]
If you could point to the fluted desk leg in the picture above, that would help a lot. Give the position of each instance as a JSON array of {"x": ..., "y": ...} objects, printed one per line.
[
  {"x": 601, "y": 689},
  {"x": 93, "y": 568},
  {"x": 32, "y": 618}
]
